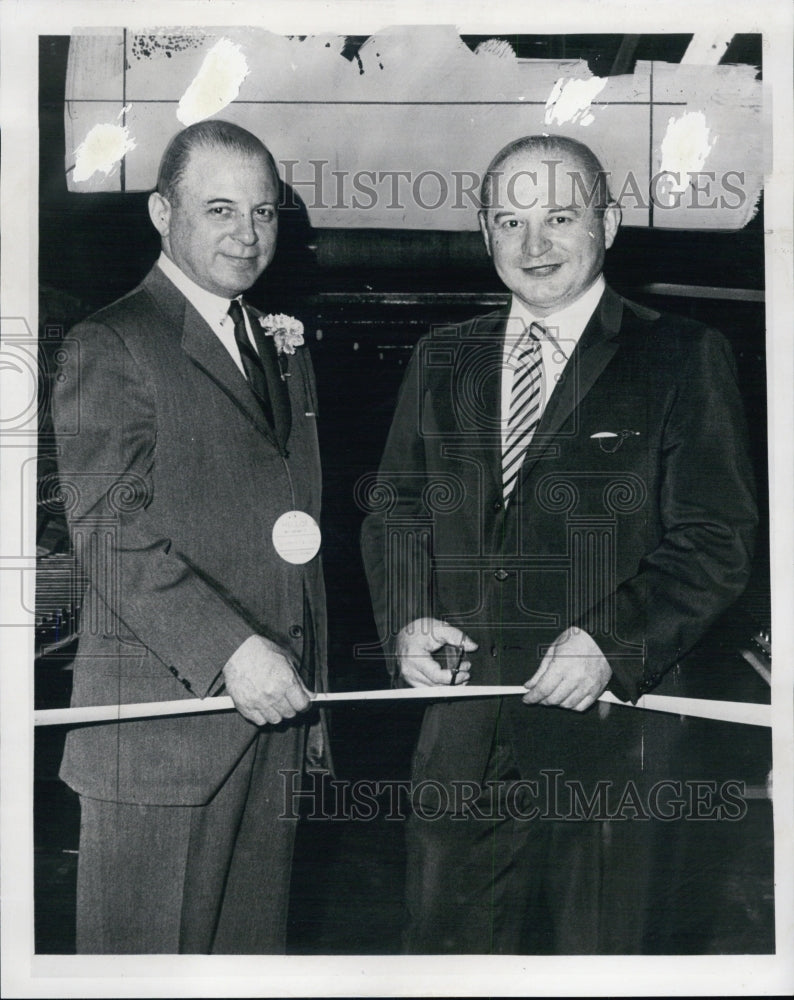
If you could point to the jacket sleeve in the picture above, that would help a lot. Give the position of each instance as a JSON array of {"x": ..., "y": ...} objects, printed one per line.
[
  {"x": 396, "y": 557},
  {"x": 105, "y": 421},
  {"x": 708, "y": 521}
]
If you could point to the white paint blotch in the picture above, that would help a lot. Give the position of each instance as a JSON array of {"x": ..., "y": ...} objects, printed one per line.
[
  {"x": 101, "y": 150},
  {"x": 569, "y": 101},
  {"x": 496, "y": 47},
  {"x": 216, "y": 84},
  {"x": 685, "y": 147},
  {"x": 706, "y": 49}
]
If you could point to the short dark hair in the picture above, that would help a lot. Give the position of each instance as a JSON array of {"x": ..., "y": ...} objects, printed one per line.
[
  {"x": 550, "y": 146},
  {"x": 213, "y": 134}
]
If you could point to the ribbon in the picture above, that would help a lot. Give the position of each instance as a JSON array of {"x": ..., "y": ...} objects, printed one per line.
[{"x": 744, "y": 713}]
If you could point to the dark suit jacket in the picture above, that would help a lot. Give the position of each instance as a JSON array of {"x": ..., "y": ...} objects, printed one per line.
[
  {"x": 173, "y": 480},
  {"x": 642, "y": 537}
]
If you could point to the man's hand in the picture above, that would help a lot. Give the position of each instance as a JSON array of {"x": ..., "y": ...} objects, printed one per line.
[
  {"x": 572, "y": 674},
  {"x": 422, "y": 637},
  {"x": 263, "y": 683}
]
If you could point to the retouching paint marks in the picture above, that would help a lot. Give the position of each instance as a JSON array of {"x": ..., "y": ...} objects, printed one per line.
[
  {"x": 101, "y": 150},
  {"x": 570, "y": 101},
  {"x": 216, "y": 84}
]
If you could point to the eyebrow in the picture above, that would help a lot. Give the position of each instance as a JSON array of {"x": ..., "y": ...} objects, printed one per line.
[
  {"x": 507, "y": 212},
  {"x": 231, "y": 201}
]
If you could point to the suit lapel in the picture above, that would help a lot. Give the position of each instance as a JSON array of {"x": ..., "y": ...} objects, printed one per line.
[
  {"x": 205, "y": 350},
  {"x": 475, "y": 411},
  {"x": 592, "y": 354},
  {"x": 277, "y": 387},
  {"x": 477, "y": 384}
]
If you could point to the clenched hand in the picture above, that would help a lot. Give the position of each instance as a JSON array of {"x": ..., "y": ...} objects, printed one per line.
[
  {"x": 417, "y": 641},
  {"x": 572, "y": 674},
  {"x": 263, "y": 683}
]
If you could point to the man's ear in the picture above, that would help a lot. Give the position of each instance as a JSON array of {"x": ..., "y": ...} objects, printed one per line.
[
  {"x": 612, "y": 219},
  {"x": 484, "y": 230},
  {"x": 160, "y": 213}
]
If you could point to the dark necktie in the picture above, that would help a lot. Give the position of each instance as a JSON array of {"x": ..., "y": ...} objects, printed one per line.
[
  {"x": 526, "y": 402},
  {"x": 252, "y": 363}
]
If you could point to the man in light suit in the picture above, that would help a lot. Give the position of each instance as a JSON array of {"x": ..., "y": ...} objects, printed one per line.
[
  {"x": 566, "y": 502},
  {"x": 185, "y": 432}
]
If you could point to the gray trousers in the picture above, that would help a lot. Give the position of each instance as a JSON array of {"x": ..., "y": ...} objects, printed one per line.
[{"x": 211, "y": 879}]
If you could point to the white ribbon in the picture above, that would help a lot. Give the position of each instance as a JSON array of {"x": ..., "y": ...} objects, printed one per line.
[{"x": 741, "y": 712}]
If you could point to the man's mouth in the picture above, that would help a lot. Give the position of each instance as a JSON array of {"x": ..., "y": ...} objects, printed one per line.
[{"x": 541, "y": 270}]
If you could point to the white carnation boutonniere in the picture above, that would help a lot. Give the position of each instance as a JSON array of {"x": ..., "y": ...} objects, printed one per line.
[{"x": 287, "y": 334}]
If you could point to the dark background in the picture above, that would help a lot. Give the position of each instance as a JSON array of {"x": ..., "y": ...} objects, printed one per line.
[{"x": 365, "y": 297}]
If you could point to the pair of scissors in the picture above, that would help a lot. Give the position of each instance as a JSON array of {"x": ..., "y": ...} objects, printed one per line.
[{"x": 455, "y": 669}]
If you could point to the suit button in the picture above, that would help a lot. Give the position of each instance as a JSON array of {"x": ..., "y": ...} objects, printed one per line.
[
  {"x": 501, "y": 574},
  {"x": 295, "y": 631},
  {"x": 497, "y": 505},
  {"x": 494, "y": 651}
]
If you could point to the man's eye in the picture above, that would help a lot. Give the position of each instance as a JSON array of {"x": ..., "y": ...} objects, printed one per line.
[
  {"x": 560, "y": 220},
  {"x": 510, "y": 224},
  {"x": 265, "y": 214},
  {"x": 220, "y": 210}
]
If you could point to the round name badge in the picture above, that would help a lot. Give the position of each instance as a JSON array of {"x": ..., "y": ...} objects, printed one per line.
[{"x": 296, "y": 537}]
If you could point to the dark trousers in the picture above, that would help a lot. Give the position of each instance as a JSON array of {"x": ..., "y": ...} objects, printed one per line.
[
  {"x": 210, "y": 879},
  {"x": 500, "y": 884}
]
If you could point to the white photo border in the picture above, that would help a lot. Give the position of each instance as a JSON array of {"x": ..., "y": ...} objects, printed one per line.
[{"x": 27, "y": 975}]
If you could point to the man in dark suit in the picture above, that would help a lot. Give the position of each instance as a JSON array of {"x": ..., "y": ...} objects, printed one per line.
[
  {"x": 185, "y": 434},
  {"x": 565, "y": 500}
]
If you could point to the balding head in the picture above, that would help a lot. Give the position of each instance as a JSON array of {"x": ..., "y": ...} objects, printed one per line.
[
  {"x": 547, "y": 220},
  {"x": 216, "y": 207},
  {"x": 206, "y": 135},
  {"x": 587, "y": 178}
]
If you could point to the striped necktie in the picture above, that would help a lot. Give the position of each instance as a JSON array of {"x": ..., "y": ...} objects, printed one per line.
[{"x": 526, "y": 401}]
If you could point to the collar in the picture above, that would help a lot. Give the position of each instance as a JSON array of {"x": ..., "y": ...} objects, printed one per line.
[
  {"x": 212, "y": 308},
  {"x": 566, "y": 325}
]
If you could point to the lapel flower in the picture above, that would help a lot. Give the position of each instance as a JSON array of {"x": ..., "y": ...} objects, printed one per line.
[
  {"x": 287, "y": 334},
  {"x": 286, "y": 331}
]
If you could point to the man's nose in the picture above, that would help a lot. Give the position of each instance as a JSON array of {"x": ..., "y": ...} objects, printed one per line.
[
  {"x": 536, "y": 241},
  {"x": 244, "y": 230}
]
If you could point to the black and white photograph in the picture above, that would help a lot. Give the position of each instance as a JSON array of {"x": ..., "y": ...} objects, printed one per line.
[{"x": 397, "y": 483}]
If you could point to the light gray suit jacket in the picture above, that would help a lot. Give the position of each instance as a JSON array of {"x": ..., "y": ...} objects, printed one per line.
[{"x": 172, "y": 481}]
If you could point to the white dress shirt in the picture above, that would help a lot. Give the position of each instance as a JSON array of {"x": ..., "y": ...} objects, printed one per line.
[
  {"x": 563, "y": 330},
  {"x": 214, "y": 309}
]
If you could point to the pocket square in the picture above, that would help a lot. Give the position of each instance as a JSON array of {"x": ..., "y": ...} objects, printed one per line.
[{"x": 610, "y": 441}]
